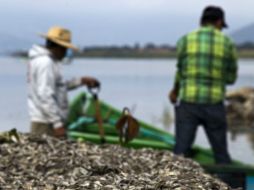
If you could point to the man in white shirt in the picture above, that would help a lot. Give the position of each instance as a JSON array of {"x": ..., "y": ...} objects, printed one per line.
[{"x": 47, "y": 96}]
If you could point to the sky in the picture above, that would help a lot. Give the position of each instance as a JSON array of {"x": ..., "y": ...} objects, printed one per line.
[{"x": 108, "y": 22}]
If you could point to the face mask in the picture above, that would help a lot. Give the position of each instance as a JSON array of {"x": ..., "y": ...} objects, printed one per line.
[{"x": 68, "y": 57}]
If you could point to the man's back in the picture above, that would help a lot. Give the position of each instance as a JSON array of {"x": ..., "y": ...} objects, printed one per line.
[{"x": 206, "y": 63}]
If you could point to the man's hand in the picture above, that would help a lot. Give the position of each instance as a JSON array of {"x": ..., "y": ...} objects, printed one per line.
[
  {"x": 172, "y": 96},
  {"x": 90, "y": 82},
  {"x": 59, "y": 132}
]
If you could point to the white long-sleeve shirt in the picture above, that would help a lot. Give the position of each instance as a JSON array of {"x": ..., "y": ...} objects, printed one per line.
[{"x": 47, "y": 92}]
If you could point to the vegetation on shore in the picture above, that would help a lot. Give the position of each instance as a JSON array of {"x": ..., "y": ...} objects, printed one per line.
[{"x": 150, "y": 50}]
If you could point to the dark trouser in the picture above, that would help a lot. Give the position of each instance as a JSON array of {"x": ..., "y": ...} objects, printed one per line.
[
  {"x": 39, "y": 129},
  {"x": 212, "y": 117}
]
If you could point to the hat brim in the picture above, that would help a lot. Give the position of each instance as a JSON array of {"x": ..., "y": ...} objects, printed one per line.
[
  {"x": 60, "y": 42},
  {"x": 224, "y": 24}
]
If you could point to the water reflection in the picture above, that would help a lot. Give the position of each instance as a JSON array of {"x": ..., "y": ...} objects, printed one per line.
[
  {"x": 165, "y": 118},
  {"x": 251, "y": 139},
  {"x": 241, "y": 127}
]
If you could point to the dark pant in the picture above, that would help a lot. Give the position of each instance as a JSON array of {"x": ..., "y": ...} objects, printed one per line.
[{"x": 212, "y": 117}]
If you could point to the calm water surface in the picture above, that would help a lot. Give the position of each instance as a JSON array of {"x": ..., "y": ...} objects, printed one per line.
[{"x": 141, "y": 85}]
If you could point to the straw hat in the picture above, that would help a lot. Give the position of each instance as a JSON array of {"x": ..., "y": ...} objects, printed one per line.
[{"x": 60, "y": 36}]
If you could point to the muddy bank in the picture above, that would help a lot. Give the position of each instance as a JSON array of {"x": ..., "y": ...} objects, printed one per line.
[{"x": 49, "y": 163}]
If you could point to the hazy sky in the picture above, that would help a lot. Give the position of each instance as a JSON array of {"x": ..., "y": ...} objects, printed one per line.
[{"x": 105, "y": 22}]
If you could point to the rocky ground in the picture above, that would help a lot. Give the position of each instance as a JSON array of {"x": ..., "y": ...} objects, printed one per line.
[{"x": 53, "y": 164}]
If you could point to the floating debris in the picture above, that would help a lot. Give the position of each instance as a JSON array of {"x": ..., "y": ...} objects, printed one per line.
[{"x": 54, "y": 164}]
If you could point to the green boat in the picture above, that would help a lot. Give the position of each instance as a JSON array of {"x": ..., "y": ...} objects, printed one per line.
[{"x": 83, "y": 126}]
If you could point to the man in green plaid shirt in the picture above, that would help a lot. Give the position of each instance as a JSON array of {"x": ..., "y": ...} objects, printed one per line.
[{"x": 207, "y": 62}]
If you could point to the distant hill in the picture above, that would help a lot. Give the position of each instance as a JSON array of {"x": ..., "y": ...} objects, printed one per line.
[
  {"x": 243, "y": 35},
  {"x": 10, "y": 43}
]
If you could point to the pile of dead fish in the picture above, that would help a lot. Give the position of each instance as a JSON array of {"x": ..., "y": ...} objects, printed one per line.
[{"x": 49, "y": 163}]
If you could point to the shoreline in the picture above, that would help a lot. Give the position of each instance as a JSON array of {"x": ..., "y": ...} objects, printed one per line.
[{"x": 242, "y": 54}]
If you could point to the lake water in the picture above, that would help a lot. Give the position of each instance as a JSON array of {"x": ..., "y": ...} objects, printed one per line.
[{"x": 140, "y": 84}]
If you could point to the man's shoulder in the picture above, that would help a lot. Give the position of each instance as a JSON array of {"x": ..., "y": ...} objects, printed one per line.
[
  {"x": 186, "y": 36},
  {"x": 226, "y": 38},
  {"x": 42, "y": 62},
  {"x": 182, "y": 39}
]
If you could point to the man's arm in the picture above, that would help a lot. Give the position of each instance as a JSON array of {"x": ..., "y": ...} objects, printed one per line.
[
  {"x": 232, "y": 67},
  {"x": 77, "y": 82},
  {"x": 174, "y": 92}
]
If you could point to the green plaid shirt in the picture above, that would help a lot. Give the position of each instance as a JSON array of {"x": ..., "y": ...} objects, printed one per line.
[{"x": 207, "y": 62}]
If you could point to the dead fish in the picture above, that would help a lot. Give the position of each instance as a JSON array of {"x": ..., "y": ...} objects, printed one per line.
[{"x": 55, "y": 164}]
